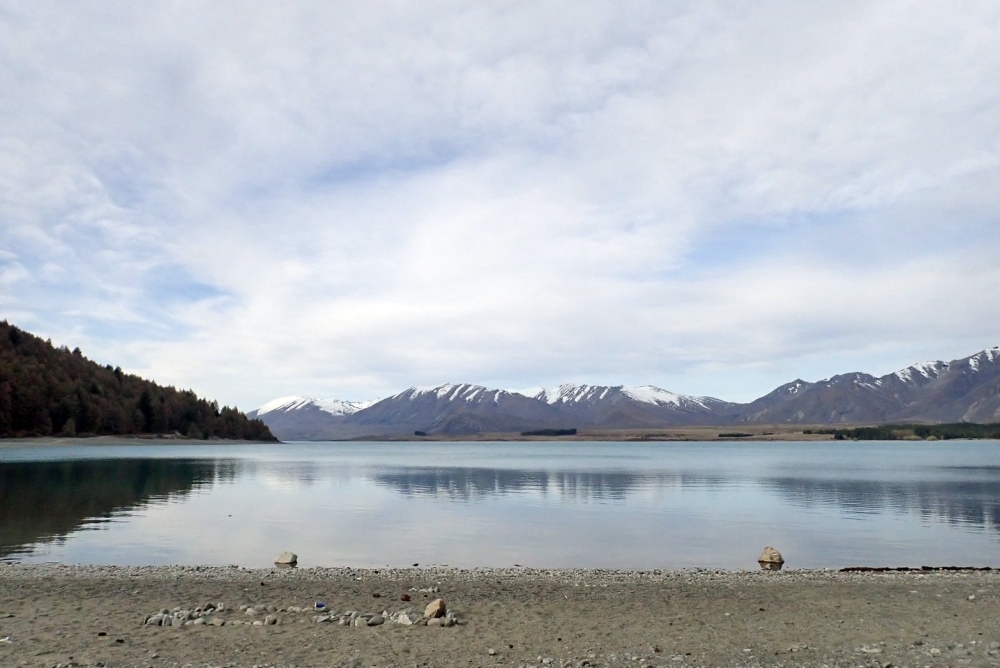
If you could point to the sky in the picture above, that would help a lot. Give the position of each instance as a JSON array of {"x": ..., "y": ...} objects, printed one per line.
[{"x": 343, "y": 199}]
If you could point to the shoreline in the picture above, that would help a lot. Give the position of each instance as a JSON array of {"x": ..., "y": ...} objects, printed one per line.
[
  {"x": 70, "y": 441},
  {"x": 570, "y": 617},
  {"x": 702, "y": 434}
]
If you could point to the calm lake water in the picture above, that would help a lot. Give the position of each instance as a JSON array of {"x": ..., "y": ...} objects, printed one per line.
[{"x": 599, "y": 505}]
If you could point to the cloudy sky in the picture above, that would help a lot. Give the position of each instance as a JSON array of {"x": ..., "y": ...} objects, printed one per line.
[{"x": 342, "y": 200}]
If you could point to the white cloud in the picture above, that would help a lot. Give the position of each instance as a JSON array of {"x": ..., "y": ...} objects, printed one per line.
[{"x": 344, "y": 200}]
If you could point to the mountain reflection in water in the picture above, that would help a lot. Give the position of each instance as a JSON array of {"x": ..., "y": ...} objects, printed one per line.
[
  {"x": 959, "y": 502},
  {"x": 478, "y": 483},
  {"x": 45, "y": 501},
  {"x": 595, "y": 505}
]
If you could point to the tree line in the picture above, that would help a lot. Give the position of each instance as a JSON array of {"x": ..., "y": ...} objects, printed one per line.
[
  {"x": 50, "y": 391},
  {"x": 900, "y": 432}
]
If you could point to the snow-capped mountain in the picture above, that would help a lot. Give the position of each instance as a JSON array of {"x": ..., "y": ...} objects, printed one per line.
[
  {"x": 296, "y": 403},
  {"x": 456, "y": 409},
  {"x": 298, "y": 418},
  {"x": 577, "y": 394},
  {"x": 966, "y": 389},
  {"x": 624, "y": 406}
]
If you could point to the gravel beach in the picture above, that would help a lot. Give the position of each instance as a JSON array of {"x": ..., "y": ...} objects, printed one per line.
[{"x": 55, "y": 615}]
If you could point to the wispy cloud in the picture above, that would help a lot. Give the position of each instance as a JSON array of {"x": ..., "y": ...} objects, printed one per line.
[{"x": 346, "y": 199}]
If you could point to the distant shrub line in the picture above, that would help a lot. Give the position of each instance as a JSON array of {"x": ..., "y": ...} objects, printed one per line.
[
  {"x": 550, "y": 432},
  {"x": 902, "y": 432}
]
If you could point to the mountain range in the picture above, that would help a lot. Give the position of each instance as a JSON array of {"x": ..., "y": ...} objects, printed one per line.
[{"x": 966, "y": 390}]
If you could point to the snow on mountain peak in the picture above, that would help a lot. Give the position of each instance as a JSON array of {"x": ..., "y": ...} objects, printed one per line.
[
  {"x": 651, "y": 394},
  {"x": 451, "y": 392},
  {"x": 331, "y": 406},
  {"x": 988, "y": 355},
  {"x": 926, "y": 369},
  {"x": 569, "y": 393}
]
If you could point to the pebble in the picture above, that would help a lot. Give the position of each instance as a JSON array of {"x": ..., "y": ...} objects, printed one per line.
[{"x": 377, "y": 620}]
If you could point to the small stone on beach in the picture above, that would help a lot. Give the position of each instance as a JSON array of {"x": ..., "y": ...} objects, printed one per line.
[
  {"x": 435, "y": 608},
  {"x": 770, "y": 559},
  {"x": 286, "y": 559}
]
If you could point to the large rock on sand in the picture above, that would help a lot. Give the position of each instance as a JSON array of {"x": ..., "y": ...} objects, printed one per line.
[
  {"x": 435, "y": 609},
  {"x": 770, "y": 559},
  {"x": 286, "y": 559}
]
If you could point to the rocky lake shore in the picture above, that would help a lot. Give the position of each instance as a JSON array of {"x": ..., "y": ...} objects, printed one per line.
[{"x": 53, "y": 615}]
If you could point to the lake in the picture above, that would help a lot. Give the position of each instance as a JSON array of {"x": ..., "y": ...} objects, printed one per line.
[{"x": 539, "y": 504}]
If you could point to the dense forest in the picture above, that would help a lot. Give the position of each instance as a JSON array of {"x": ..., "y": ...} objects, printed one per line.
[{"x": 49, "y": 391}]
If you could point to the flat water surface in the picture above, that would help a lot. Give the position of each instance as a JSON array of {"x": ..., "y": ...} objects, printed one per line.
[{"x": 594, "y": 505}]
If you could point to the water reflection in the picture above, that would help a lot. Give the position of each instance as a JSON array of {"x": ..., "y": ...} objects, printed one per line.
[
  {"x": 479, "y": 483},
  {"x": 974, "y": 503},
  {"x": 44, "y": 501},
  {"x": 594, "y": 505},
  {"x": 466, "y": 483}
]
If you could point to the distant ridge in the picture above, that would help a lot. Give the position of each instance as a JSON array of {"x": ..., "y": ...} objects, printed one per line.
[{"x": 966, "y": 390}]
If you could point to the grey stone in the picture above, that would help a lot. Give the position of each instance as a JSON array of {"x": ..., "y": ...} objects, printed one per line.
[
  {"x": 270, "y": 620},
  {"x": 435, "y": 621},
  {"x": 376, "y": 620}
]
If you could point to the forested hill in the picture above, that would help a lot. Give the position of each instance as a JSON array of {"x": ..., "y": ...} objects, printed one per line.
[{"x": 49, "y": 391}]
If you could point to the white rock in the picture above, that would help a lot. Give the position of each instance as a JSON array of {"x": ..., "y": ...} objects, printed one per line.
[{"x": 286, "y": 559}]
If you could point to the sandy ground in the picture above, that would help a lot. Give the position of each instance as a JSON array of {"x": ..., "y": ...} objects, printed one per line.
[{"x": 91, "y": 616}]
